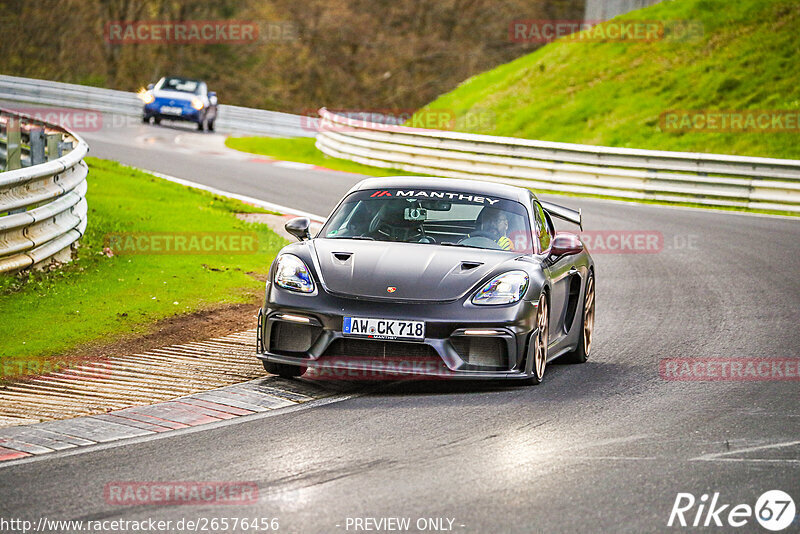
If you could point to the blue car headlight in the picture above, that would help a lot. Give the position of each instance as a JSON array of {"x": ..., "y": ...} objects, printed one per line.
[
  {"x": 292, "y": 274},
  {"x": 506, "y": 288}
]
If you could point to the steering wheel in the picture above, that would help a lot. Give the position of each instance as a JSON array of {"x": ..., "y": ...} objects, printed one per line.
[
  {"x": 481, "y": 241},
  {"x": 480, "y": 233}
]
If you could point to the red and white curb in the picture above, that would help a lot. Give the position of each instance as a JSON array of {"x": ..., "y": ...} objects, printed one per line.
[
  {"x": 241, "y": 400},
  {"x": 119, "y": 391},
  {"x": 118, "y": 384},
  {"x": 296, "y": 165}
]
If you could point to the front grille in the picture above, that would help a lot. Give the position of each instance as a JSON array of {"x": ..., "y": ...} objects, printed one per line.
[
  {"x": 389, "y": 357},
  {"x": 482, "y": 351},
  {"x": 374, "y": 349},
  {"x": 292, "y": 337}
]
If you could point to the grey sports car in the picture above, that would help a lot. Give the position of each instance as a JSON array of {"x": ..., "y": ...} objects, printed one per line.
[{"x": 430, "y": 277}]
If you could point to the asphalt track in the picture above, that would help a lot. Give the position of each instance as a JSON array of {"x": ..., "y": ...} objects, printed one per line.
[{"x": 600, "y": 447}]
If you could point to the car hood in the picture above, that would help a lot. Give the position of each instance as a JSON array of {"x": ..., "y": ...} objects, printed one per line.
[{"x": 420, "y": 272}]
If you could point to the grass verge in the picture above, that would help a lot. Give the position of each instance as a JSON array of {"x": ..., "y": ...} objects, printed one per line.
[
  {"x": 98, "y": 298},
  {"x": 302, "y": 150}
]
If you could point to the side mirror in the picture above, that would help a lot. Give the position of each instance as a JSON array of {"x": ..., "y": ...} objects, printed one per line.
[
  {"x": 150, "y": 86},
  {"x": 212, "y": 97},
  {"x": 566, "y": 244},
  {"x": 298, "y": 227}
]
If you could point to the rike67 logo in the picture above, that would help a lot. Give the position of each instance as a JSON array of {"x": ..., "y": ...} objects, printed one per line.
[{"x": 774, "y": 510}]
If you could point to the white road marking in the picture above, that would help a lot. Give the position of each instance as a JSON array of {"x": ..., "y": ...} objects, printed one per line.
[
  {"x": 294, "y": 165},
  {"x": 718, "y": 455},
  {"x": 250, "y": 200}
]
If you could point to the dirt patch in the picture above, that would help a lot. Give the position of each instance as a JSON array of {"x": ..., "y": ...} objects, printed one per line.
[{"x": 196, "y": 326}]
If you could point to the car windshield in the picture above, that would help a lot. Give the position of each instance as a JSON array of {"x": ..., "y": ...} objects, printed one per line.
[
  {"x": 178, "y": 84},
  {"x": 439, "y": 217}
]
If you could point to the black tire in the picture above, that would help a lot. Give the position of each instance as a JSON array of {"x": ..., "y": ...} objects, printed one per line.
[
  {"x": 283, "y": 370},
  {"x": 146, "y": 120},
  {"x": 541, "y": 339},
  {"x": 210, "y": 126},
  {"x": 201, "y": 125},
  {"x": 157, "y": 120},
  {"x": 584, "y": 348}
]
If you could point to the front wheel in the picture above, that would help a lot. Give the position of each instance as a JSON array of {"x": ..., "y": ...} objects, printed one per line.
[
  {"x": 540, "y": 341},
  {"x": 283, "y": 370},
  {"x": 581, "y": 352},
  {"x": 210, "y": 126}
]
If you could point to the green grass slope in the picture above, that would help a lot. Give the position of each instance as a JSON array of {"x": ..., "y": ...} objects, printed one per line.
[
  {"x": 613, "y": 93},
  {"x": 98, "y": 298}
]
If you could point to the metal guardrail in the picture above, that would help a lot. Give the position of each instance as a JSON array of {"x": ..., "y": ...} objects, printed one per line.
[
  {"x": 708, "y": 179},
  {"x": 233, "y": 118},
  {"x": 43, "y": 208}
]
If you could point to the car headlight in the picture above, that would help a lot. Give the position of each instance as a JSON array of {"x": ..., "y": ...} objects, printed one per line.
[
  {"x": 506, "y": 288},
  {"x": 148, "y": 97},
  {"x": 197, "y": 103},
  {"x": 292, "y": 274}
]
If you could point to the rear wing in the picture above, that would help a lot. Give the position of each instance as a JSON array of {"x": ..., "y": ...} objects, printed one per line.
[{"x": 567, "y": 214}]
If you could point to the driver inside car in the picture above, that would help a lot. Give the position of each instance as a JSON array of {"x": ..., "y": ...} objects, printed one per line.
[{"x": 494, "y": 224}]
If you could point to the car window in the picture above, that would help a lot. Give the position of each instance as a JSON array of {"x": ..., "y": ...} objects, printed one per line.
[
  {"x": 178, "y": 84},
  {"x": 544, "y": 229},
  {"x": 432, "y": 217}
]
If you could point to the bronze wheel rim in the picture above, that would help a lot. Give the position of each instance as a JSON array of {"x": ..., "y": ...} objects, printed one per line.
[
  {"x": 588, "y": 317},
  {"x": 541, "y": 339}
]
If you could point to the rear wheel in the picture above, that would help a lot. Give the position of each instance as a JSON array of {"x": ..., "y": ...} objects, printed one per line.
[
  {"x": 283, "y": 370},
  {"x": 582, "y": 351},
  {"x": 210, "y": 126},
  {"x": 201, "y": 125},
  {"x": 157, "y": 120},
  {"x": 540, "y": 341}
]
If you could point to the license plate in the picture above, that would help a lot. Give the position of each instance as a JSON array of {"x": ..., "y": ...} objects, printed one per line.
[
  {"x": 169, "y": 110},
  {"x": 384, "y": 328}
]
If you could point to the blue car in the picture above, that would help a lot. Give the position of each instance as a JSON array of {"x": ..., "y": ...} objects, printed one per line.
[{"x": 180, "y": 99}]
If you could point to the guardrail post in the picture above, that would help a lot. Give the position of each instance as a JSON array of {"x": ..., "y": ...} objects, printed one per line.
[
  {"x": 14, "y": 145},
  {"x": 64, "y": 146},
  {"x": 52, "y": 146},
  {"x": 36, "y": 142}
]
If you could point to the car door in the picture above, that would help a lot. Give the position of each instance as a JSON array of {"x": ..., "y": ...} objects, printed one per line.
[{"x": 559, "y": 270}]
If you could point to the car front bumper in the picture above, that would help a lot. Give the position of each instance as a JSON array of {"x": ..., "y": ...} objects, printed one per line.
[
  {"x": 462, "y": 340},
  {"x": 187, "y": 113}
]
